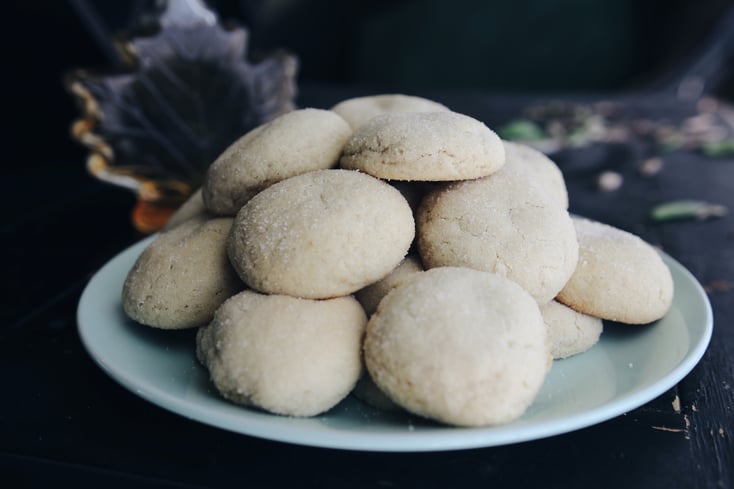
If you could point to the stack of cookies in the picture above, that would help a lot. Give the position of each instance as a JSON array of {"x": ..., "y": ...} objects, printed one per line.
[{"x": 393, "y": 234}]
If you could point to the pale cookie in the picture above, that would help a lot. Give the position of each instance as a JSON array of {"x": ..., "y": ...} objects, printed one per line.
[
  {"x": 289, "y": 356},
  {"x": 371, "y": 295},
  {"x": 500, "y": 224},
  {"x": 292, "y": 144},
  {"x": 424, "y": 146},
  {"x": 619, "y": 277},
  {"x": 460, "y": 346},
  {"x": 182, "y": 276},
  {"x": 569, "y": 332},
  {"x": 538, "y": 168},
  {"x": 357, "y": 111},
  {"x": 193, "y": 207},
  {"x": 322, "y": 234}
]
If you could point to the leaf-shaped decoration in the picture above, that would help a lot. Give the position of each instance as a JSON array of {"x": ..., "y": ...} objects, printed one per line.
[
  {"x": 680, "y": 210},
  {"x": 190, "y": 92}
]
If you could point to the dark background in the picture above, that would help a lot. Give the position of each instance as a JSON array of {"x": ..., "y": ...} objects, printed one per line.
[{"x": 404, "y": 45}]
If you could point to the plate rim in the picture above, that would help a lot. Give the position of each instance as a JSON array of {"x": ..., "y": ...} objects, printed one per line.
[{"x": 268, "y": 426}]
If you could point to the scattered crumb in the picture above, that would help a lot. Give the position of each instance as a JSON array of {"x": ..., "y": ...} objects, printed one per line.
[
  {"x": 630, "y": 365},
  {"x": 609, "y": 181},
  {"x": 676, "y": 404},
  {"x": 651, "y": 167}
]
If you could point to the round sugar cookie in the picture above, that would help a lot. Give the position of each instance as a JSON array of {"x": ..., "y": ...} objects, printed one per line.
[
  {"x": 371, "y": 295},
  {"x": 460, "y": 346},
  {"x": 424, "y": 146},
  {"x": 356, "y": 111},
  {"x": 499, "y": 224},
  {"x": 619, "y": 277},
  {"x": 289, "y": 356},
  {"x": 569, "y": 332},
  {"x": 536, "y": 167},
  {"x": 321, "y": 234},
  {"x": 291, "y": 144},
  {"x": 181, "y": 278}
]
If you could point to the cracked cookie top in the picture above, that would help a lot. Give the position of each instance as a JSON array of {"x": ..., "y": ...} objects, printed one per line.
[
  {"x": 502, "y": 223},
  {"x": 424, "y": 146}
]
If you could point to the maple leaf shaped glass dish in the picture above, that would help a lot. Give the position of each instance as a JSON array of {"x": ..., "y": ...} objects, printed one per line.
[{"x": 187, "y": 93}]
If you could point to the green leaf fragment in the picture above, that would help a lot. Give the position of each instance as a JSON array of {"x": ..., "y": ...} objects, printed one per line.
[
  {"x": 718, "y": 148},
  {"x": 578, "y": 138},
  {"x": 521, "y": 130},
  {"x": 671, "y": 142},
  {"x": 686, "y": 210}
]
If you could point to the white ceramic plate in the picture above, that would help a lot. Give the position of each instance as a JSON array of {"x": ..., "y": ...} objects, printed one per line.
[{"x": 627, "y": 368}]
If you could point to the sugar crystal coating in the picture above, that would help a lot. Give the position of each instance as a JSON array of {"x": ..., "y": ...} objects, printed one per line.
[
  {"x": 357, "y": 111},
  {"x": 322, "y": 234},
  {"x": 290, "y": 356},
  {"x": 619, "y": 277},
  {"x": 182, "y": 276},
  {"x": 457, "y": 345},
  {"x": 294, "y": 143},
  {"x": 424, "y": 146}
]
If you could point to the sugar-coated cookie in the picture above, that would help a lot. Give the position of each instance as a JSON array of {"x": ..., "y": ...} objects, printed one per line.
[
  {"x": 357, "y": 111},
  {"x": 289, "y": 356},
  {"x": 619, "y": 277},
  {"x": 181, "y": 278},
  {"x": 321, "y": 234},
  {"x": 460, "y": 346},
  {"x": 537, "y": 167},
  {"x": 569, "y": 332},
  {"x": 424, "y": 146},
  {"x": 500, "y": 224},
  {"x": 293, "y": 143},
  {"x": 371, "y": 295}
]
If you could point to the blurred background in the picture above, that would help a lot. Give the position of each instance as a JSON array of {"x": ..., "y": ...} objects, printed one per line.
[{"x": 522, "y": 46}]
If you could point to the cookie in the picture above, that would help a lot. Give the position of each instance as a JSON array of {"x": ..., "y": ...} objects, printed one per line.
[
  {"x": 569, "y": 332},
  {"x": 288, "y": 356},
  {"x": 461, "y": 346},
  {"x": 357, "y": 111},
  {"x": 537, "y": 167},
  {"x": 181, "y": 278},
  {"x": 321, "y": 234},
  {"x": 619, "y": 277},
  {"x": 292, "y": 144},
  {"x": 499, "y": 224},
  {"x": 424, "y": 146},
  {"x": 371, "y": 295}
]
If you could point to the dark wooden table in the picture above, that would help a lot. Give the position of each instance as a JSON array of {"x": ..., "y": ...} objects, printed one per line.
[{"x": 64, "y": 421}]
